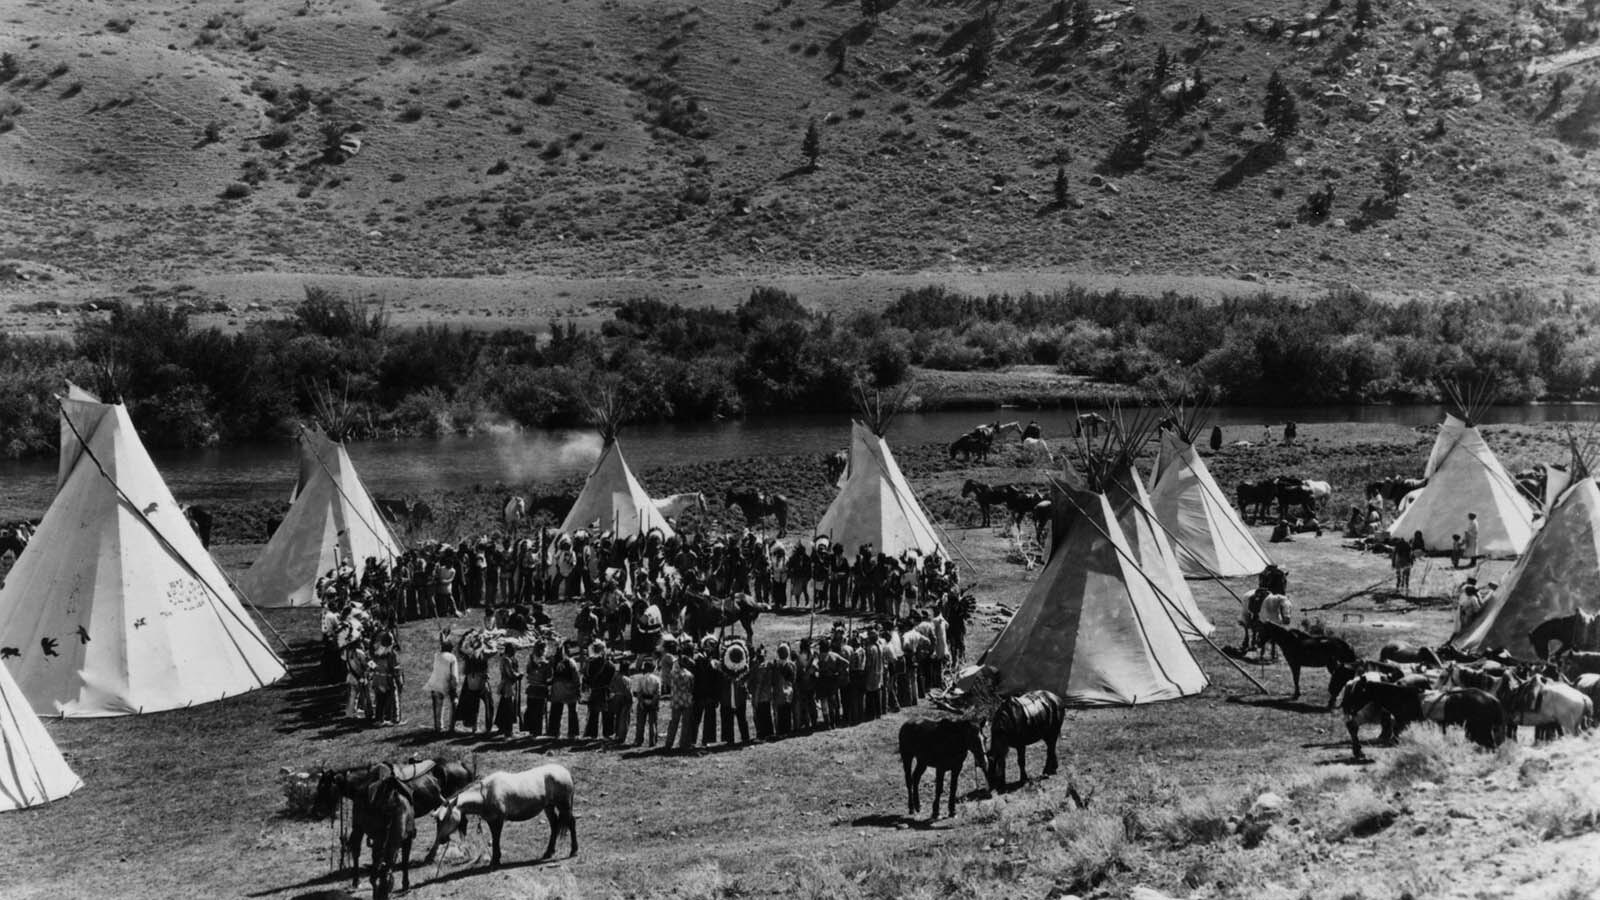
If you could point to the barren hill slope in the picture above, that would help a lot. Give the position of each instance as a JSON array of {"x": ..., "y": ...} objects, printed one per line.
[{"x": 636, "y": 138}]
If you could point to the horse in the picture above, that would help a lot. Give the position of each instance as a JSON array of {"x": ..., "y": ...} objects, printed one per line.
[
  {"x": 1021, "y": 502},
  {"x": 513, "y": 514},
  {"x": 1294, "y": 492},
  {"x": 1577, "y": 662},
  {"x": 944, "y": 745},
  {"x": 1401, "y": 652},
  {"x": 1476, "y": 711},
  {"x": 502, "y": 797},
  {"x": 1255, "y": 498},
  {"x": 1091, "y": 422},
  {"x": 835, "y": 463},
  {"x": 1543, "y": 704},
  {"x": 200, "y": 519},
  {"x": 14, "y": 538},
  {"x": 994, "y": 431},
  {"x": 1043, "y": 513},
  {"x": 1018, "y": 722},
  {"x": 1033, "y": 448},
  {"x": 705, "y": 614},
  {"x": 971, "y": 447},
  {"x": 430, "y": 782},
  {"x": 673, "y": 506},
  {"x": 1301, "y": 649},
  {"x": 1575, "y": 631},
  {"x": 1321, "y": 493},
  {"x": 985, "y": 495},
  {"x": 1394, "y": 488},
  {"x": 756, "y": 506},
  {"x": 1396, "y": 706},
  {"x": 1343, "y": 675},
  {"x": 389, "y": 800}
]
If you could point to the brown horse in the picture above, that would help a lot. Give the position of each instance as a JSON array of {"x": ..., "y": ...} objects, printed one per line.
[
  {"x": 706, "y": 614},
  {"x": 393, "y": 821},
  {"x": 757, "y": 506},
  {"x": 942, "y": 744},
  {"x": 429, "y": 781},
  {"x": 1301, "y": 649}
]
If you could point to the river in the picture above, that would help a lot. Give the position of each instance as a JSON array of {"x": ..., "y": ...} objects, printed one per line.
[{"x": 409, "y": 465}]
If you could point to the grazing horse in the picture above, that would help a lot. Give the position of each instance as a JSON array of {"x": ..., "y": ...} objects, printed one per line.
[
  {"x": 1043, "y": 512},
  {"x": 1255, "y": 498},
  {"x": 942, "y": 744},
  {"x": 502, "y": 797},
  {"x": 971, "y": 446},
  {"x": 430, "y": 782},
  {"x": 835, "y": 463},
  {"x": 673, "y": 506},
  {"x": 704, "y": 614},
  {"x": 1576, "y": 631},
  {"x": 1034, "y": 448},
  {"x": 395, "y": 821},
  {"x": 1401, "y": 652},
  {"x": 1301, "y": 649},
  {"x": 513, "y": 514},
  {"x": 1396, "y": 706},
  {"x": 1343, "y": 675},
  {"x": 1478, "y": 712},
  {"x": 1018, "y": 722},
  {"x": 993, "y": 432},
  {"x": 985, "y": 495},
  {"x": 756, "y": 506}
]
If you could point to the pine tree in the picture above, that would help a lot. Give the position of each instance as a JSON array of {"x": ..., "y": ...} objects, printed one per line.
[
  {"x": 1363, "y": 18},
  {"x": 869, "y": 10},
  {"x": 1278, "y": 111},
  {"x": 1082, "y": 21},
  {"x": 1161, "y": 69},
  {"x": 1392, "y": 175},
  {"x": 1061, "y": 186},
  {"x": 811, "y": 146},
  {"x": 980, "y": 54}
]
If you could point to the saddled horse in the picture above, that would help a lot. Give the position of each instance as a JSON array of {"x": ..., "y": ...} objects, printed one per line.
[
  {"x": 942, "y": 744},
  {"x": 430, "y": 782},
  {"x": 704, "y": 614},
  {"x": 972, "y": 446},
  {"x": 1301, "y": 649},
  {"x": 985, "y": 495},
  {"x": 502, "y": 797},
  {"x": 1020, "y": 721},
  {"x": 1255, "y": 498},
  {"x": 1545, "y": 705},
  {"x": 1576, "y": 631},
  {"x": 1395, "y": 705},
  {"x": 757, "y": 506},
  {"x": 1402, "y": 652},
  {"x": 1476, "y": 711},
  {"x": 675, "y": 505},
  {"x": 394, "y": 827},
  {"x": 1394, "y": 488},
  {"x": 994, "y": 431},
  {"x": 1021, "y": 503}
]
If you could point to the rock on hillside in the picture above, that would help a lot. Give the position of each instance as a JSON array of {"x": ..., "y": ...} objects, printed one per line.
[{"x": 647, "y": 138}]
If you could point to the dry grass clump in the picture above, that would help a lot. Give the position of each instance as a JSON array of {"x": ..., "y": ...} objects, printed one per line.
[
  {"x": 1563, "y": 810},
  {"x": 702, "y": 881},
  {"x": 1092, "y": 847},
  {"x": 1355, "y": 812},
  {"x": 1424, "y": 752},
  {"x": 299, "y": 794}
]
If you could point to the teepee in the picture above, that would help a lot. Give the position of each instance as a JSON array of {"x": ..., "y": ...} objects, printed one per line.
[
  {"x": 32, "y": 771},
  {"x": 612, "y": 498},
  {"x": 1112, "y": 471},
  {"x": 333, "y": 520},
  {"x": 875, "y": 504},
  {"x": 1557, "y": 575},
  {"x": 1210, "y": 539},
  {"x": 1464, "y": 476},
  {"x": 115, "y": 607},
  {"x": 1093, "y": 628}
]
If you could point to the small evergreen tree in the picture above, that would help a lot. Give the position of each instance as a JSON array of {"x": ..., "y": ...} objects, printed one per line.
[
  {"x": 1161, "y": 69},
  {"x": 811, "y": 146},
  {"x": 869, "y": 10},
  {"x": 980, "y": 54},
  {"x": 1279, "y": 111},
  {"x": 1392, "y": 175},
  {"x": 1082, "y": 21},
  {"x": 1061, "y": 186},
  {"x": 1363, "y": 17}
]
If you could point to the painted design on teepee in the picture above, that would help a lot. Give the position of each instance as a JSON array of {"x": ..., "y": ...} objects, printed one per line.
[
  {"x": 1464, "y": 476},
  {"x": 32, "y": 771},
  {"x": 332, "y": 520},
  {"x": 1092, "y": 628},
  {"x": 112, "y": 551},
  {"x": 1210, "y": 539}
]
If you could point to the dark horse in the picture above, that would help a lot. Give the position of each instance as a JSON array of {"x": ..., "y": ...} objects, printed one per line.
[
  {"x": 1394, "y": 489},
  {"x": 944, "y": 745},
  {"x": 1401, "y": 652},
  {"x": 201, "y": 520},
  {"x": 986, "y": 496},
  {"x": 707, "y": 614},
  {"x": 1397, "y": 705},
  {"x": 972, "y": 446},
  {"x": 1478, "y": 712},
  {"x": 1301, "y": 649},
  {"x": 757, "y": 506},
  {"x": 1255, "y": 498},
  {"x": 394, "y": 821},
  {"x": 1018, "y": 722},
  {"x": 430, "y": 782},
  {"x": 1574, "y": 632}
]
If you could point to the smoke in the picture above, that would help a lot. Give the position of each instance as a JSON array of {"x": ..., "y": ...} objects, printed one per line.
[{"x": 543, "y": 456}]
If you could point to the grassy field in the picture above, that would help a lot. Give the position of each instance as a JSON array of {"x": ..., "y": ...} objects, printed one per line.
[{"x": 191, "y": 803}]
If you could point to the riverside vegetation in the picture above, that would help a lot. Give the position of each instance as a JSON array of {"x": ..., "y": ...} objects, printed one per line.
[{"x": 190, "y": 386}]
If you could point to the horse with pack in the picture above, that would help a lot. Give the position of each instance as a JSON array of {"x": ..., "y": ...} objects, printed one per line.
[{"x": 426, "y": 784}]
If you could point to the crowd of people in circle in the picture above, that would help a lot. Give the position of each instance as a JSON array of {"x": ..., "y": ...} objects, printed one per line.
[{"x": 648, "y": 650}]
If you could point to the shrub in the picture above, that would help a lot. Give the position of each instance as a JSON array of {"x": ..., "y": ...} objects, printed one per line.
[
  {"x": 952, "y": 355},
  {"x": 279, "y": 136},
  {"x": 1093, "y": 846},
  {"x": 237, "y": 190},
  {"x": 1563, "y": 811}
]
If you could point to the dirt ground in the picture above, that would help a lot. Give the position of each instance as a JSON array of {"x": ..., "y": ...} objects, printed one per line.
[{"x": 191, "y": 803}]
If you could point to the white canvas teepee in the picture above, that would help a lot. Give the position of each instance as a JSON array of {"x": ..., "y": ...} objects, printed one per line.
[
  {"x": 32, "y": 771},
  {"x": 875, "y": 505},
  {"x": 1464, "y": 476},
  {"x": 115, "y": 607},
  {"x": 1209, "y": 537},
  {"x": 1092, "y": 628},
  {"x": 333, "y": 520},
  {"x": 1153, "y": 551},
  {"x": 613, "y": 500},
  {"x": 1559, "y": 574}
]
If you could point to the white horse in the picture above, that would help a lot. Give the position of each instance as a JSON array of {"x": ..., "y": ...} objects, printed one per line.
[
  {"x": 1549, "y": 703},
  {"x": 502, "y": 797},
  {"x": 1035, "y": 449},
  {"x": 514, "y": 514},
  {"x": 674, "y": 506},
  {"x": 1320, "y": 492}
]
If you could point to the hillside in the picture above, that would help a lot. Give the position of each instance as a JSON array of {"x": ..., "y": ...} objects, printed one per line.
[{"x": 626, "y": 139}]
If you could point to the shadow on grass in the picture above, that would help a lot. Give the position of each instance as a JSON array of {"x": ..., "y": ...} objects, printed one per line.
[
  {"x": 1284, "y": 703},
  {"x": 310, "y": 883},
  {"x": 1345, "y": 761},
  {"x": 1259, "y": 159},
  {"x": 893, "y": 820},
  {"x": 469, "y": 871}
]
